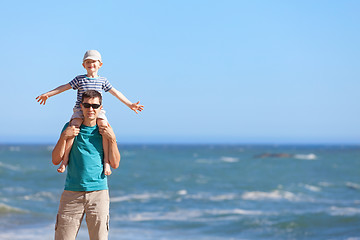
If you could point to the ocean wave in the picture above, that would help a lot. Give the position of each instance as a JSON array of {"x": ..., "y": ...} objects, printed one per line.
[
  {"x": 284, "y": 155},
  {"x": 325, "y": 184},
  {"x": 204, "y": 161},
  {"x": 235, "y": 212},
  {"x": 343, "y": 211},
  {"x": 229, "y": 159},
  {"x": 10, "y": 167},
  {"x": 50, "y": 148},
  {"x": 213, "y": 198},
  {"x": 223, "y": 197},
  {"x": 5, "y": 209},
  {"x": 310, "y": 156},
  {"x": 140, "y": 197},
  {"x": 312, "y": 188},
  {"x": 274, "y": 195},
  {"x": 178, "y": 195},
  {"x": 197, "y": 215},
  {"x": 14, "y": 149},
  {"x": 353, "y": 185},
  {"x": 128, "y": 153},
  {"x": 41, "y": 196},
  {"x": 182, "y": 192},
  {"x": 29, "y": 233}
]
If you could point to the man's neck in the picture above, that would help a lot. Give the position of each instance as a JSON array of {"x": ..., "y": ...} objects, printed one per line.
[{"x": 89, "y": 122}]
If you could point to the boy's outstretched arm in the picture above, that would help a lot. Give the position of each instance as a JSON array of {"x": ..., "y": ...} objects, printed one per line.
[
  {"x": 133, "y": 106},
  {"x": 43, "y": 97}
]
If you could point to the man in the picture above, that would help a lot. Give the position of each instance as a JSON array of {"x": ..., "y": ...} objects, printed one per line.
[{"x": 86, "y": 189}]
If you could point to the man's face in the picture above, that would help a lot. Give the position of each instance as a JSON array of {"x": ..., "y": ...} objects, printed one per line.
[{"x": 88, "y": 106}]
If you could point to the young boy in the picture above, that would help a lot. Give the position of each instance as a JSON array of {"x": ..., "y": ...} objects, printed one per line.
[{"x": 91, "y": 81}]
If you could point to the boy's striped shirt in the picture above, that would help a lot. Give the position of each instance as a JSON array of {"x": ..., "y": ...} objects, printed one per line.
[{"x": 82, "y": 83}]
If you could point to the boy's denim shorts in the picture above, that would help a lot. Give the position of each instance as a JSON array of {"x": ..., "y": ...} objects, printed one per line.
[{"x": 79, "y": 114}]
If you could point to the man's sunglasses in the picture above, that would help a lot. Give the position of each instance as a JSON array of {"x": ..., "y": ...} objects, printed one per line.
[{"x": 88, "y": 105}]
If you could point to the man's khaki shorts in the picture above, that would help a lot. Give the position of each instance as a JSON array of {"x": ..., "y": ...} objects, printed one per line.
[{"x": 74, "y": 205}]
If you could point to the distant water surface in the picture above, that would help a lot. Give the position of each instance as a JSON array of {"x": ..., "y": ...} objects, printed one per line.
[{"x": 212, "y": 192}]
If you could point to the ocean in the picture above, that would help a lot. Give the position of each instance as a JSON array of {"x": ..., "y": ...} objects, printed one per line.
[{"x": 200, "y": 192}]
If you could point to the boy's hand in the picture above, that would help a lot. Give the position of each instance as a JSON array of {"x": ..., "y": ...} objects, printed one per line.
[
  {"x": 42, "y": 98},
  {"x": 136, "y": 107},
  {"x": 70, "y": 132},
  {"x": 107, "y": 132}
]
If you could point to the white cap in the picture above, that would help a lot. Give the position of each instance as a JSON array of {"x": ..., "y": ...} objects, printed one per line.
[{"x": 93, "y": 55}]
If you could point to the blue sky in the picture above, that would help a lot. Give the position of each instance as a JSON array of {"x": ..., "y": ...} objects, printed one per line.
[{"x": 207, "y": 71}]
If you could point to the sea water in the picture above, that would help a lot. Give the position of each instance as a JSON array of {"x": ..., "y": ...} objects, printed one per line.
[{"x": 200, "y": 192}]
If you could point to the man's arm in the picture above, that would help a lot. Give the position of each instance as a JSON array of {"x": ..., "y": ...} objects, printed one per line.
[
  {"x": 43, "y": 97},
  {"x": 59, "y": 149},
  {"x": 133, "y": 106},
  {"x": 114, "y": 154}
]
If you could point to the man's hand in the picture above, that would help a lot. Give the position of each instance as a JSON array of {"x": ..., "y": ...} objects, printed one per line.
[
  {"x": 42, "y": 98},
  {"x": 107, "y": 132},
  {"x": 136, "y": 107},
  {"x": 70, "y": 132}
]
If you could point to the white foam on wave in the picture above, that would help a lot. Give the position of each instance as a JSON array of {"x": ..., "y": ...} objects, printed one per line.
[
  {"x": 9, "y": 209},
  {"x": 223, "y": 197},
  {"x": 343, "y": 211},
  {"x": 180, "y": 195},
  {"x": 274, "y": 195},
  {"x": 47, "y": 232},
  {"x": 139, "y": 197},
  {"x": 197, "y": 215},
  {"x": 310, "y": 156},
  {"x": 236, "y": 212},
  {"x": 28, "y": 233},
  {"x": 353, "y": 185},
  {"x": 10, "y": 167},
  {"x": 210, "y": 197},
  {"x": 182, "y": 192},
  {"x": 41, "y": 196},
  {"x": 312, "y": 188},
  {"x": 229, "y": 159}
]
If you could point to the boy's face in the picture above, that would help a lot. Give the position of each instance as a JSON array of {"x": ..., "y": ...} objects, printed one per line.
[
  {"x": 92, "y": 66},
  {"x": 91, "y": 112}
]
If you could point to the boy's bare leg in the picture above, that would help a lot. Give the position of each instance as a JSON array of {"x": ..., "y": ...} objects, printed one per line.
[
  {"x": 107, "y": 169},
  {"x": 77, "y": 123}
]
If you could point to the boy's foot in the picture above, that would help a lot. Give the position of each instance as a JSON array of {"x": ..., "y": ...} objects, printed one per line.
[
  {"x": 107, "y": 169},
  {"x": 62, "y": 168}
]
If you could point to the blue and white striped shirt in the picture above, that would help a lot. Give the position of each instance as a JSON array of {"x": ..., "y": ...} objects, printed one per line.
[{"x": 82, "y": 83}]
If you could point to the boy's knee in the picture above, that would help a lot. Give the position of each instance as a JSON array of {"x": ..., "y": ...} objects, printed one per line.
[
  {"x": 101, "y": 122},
  {"x": 76, "y": 122}
]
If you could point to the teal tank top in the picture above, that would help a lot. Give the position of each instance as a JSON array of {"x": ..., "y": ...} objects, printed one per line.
[{"x": 85, "y": 170}]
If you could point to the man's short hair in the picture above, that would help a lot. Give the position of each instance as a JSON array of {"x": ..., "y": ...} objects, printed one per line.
[{"x": 91, "y": 94}]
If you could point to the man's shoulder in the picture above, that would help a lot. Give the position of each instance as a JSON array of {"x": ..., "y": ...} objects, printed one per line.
[{"x": 65, "y": 126}]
